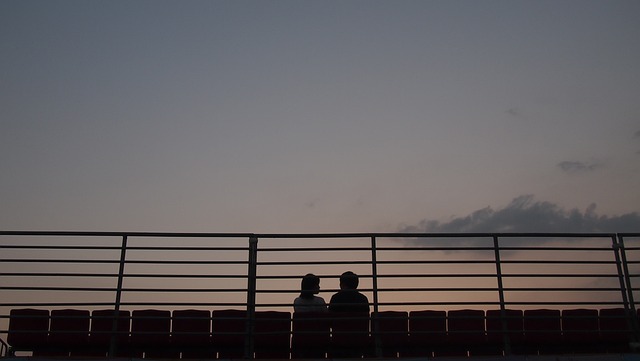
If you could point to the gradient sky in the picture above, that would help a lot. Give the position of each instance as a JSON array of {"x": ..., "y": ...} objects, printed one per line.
[{"x": 315, "y": 116}]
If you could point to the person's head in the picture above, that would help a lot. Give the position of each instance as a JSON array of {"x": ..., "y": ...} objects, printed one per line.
[
  {"x": 309, "y": 286},
  {"x": 348, "y": 281}
]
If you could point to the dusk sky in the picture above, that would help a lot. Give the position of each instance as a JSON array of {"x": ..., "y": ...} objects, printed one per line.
[{"x": 319, "y": 116}]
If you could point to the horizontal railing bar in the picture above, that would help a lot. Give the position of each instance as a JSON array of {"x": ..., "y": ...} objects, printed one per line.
[
  {"x": 504, "y": 275},
  {"x": 315, "y": 249},
  {"x": 457, "y": 289},
  {"x": 110, "y": 304},
  {"x": 102, "y": 248},
  {"x": 32, "y": 274},
  {"x": 502, "y": 248},
  {"x": 116, "y": 261},
  {"x": 150, "y": 248},
  {"x": 304, "y": 249},
  {"x": 316, "y": 235},
  {"x": 128, "y": 234},
  {"x": 46, "y": 260},
  {"x": 106, "y": 275},
  {"x": 111, "y": 289},
  {"x": 436, "y": 235},
  {"x": 133, "y": 248},
  {"x": 531, "y": 248},
  {"x": 296, "y": 263},
  {"x": 292, "y": 263},
  {"x": 457, "y": 275}
]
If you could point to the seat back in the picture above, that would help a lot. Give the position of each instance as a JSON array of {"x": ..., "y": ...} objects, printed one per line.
[
  {"x": 392, "y": 329},
  {"x": 349, "y": 334},
  {"x": 272, "y": 334},
  {"x": 542, "y": 331},
  {"x": 427, "y": 332},
  {"x": 28, "y": 329},
  {"x": 311, "y": 335},
  {"x": 103, "y": 325},
  {"x": 228, "y": 332},
  {"x": 580, "y": 330},
  {"x": 191, "y": 333},
  {"x": 465, "y": 332},
  {"x": 69, "y": 329},
  {"x": 615, "y": 326},
  {"x": 499, "y": 327},
  {"x": 150, "y": 334}
]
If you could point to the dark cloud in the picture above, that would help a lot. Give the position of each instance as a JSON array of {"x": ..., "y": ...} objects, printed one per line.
[
  {"x": 571, "y": 166},
  {"x": 517, "y": 113},
  {"x": 637, "y": 134},
  {"x": 524, "y": 214},
  {"x": 513, "y": 112}
]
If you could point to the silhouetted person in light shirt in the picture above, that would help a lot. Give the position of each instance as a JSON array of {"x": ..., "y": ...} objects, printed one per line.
[
  {"x": 348, "y": 299},
  {"x": 308, "y": 301}
]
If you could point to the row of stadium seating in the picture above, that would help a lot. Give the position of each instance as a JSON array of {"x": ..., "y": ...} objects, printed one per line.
[{"x": 152, "y": 333}]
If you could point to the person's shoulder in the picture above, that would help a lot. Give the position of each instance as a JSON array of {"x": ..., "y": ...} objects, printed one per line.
[{"x": 336, "y": 296}]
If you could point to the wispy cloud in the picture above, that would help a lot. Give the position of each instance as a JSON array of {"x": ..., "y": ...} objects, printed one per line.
[
  {"x": 572, "y": 166},
  {"x": 525, "y": 214}
]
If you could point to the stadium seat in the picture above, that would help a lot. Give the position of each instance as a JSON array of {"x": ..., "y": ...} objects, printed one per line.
[
  {"x": 191, "y": 334},
  {"x": 542, "y": 331},
  {"x": 580, "y": 331},
  {"x": 150, "y": 334},
  {"x": 497, "y": 331},
  {"x": 228, "y": 332},
  {"x": 311, "y": 335},
  {"x": 102, "y": 329},
  {"x": 28, "y": 329},
  {"x": 349, "y": 334},
  {"x": 68, "y": 332},
  {"x": 427, "y": 332},
  {"x": 272, "y": 335},
  {"x": 392, "y": 330},
  {"x": 465, "y": 333}
]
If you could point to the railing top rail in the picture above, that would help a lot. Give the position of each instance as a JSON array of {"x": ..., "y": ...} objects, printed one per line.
[{"x": 315, "y": 235}]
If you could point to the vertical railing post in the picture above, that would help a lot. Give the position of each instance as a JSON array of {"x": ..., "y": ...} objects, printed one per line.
[
  {"x": 625, "y": 285},
  {"x": 113, "y": 343},
  {"x": 506, "y": 339},
  {"x": 252, "y": 273},
  {"x": 374, "y": 278}
]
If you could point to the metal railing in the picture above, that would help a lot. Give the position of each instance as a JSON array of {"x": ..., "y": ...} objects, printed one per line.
[{"x": 398, "y": 271}]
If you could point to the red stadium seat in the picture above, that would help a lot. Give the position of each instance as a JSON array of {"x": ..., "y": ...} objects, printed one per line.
[
  {"x": 191, "y": 333},
  {"x": 349, "y": 334},
  {"x": 392, "y": 330},
  {"x": 542, "y": 331},
  {"x": 580, "y": 331},
  {"x": 427, "y": 332},
  {"x": 28, "y": 329},
  {"x": 272, "y": 335},
  {"x": 465, "y": 332},
  {"x": 616, "y": 329},
  {"x": 311, "y": 335},
  {"x": 150, "y": 334},
  {"x": 228, "y": 332},
  {"x": 497, "y": 331},
  {"x": 103, "y": 324},
  {"x": 68, "y": 332}
]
